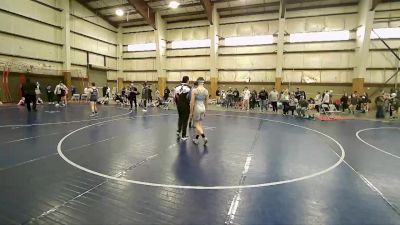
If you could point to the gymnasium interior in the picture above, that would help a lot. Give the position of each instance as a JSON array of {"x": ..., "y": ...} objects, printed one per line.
[{"x": 335, "y": 165}]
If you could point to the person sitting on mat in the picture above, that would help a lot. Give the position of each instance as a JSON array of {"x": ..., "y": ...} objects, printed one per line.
[{"x": 21, "y": 102}]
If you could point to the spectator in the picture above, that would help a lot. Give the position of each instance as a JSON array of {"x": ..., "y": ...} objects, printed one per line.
[
  {"x": 246, "y": 99},
  {"x": 157, "y": 94},
  {"x": 236, "y": 97},
  {"x": 344, "y": 101},
  {"x": 218, "y": 94},
  {"x": 353, "y": 102},
  {"x": 273, "y": 97},
  {"x": 327, "y": 98},
  {"x": 293, "y": 103},
  {"x": 21, "y": 102},
  {"x": 230, "y": 97},
  {"x": 60, "y": 92},
  {"x": 380, "y": 103},
  {"x": 253, "y": 99},
  {"x": 302, "y": 107},
  {"x": 393, "y": 105},
  {"x": 318, "y": 101},
  {"x": 150, "y": 95},
  {"x": 108, "y": 92},
  {"x": 73, "y": 90},
  {"x": 299, "y": 93},
  {"x": 133, "y": 92},
  {"x": 50, "y": 94},
  {"x": 166, "y": 93},
  {"x": 285, "y": 101},
  {"x": 365, "y": 101},
  {"x": 145, "y": 96},
  {"x": 38, "y": 94},
  {"x": 263, "y": 96}
]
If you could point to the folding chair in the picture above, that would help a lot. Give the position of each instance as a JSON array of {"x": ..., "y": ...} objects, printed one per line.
[
  {"x": 329, "y": 110},
  {"x": 75, "y": 97},
  {"x": 84, "y": 97}
]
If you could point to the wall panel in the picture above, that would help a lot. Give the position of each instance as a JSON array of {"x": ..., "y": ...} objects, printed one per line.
[
  {"x": 196, "y": 33},
  {"x": 193, "y": 75},
  {"x": 139, "y": 64},
  {"x": 88, "y": 44},
  {"x": 79, "y": 10},
  {"x": 29, "y": 48},
  {"x": 321, "y": 23},
  {"x": 17, "y": 25},
  {"x": 140, "y": 76},
  {"x": 32, "y": 10},
  {"x": 243, "y": 76}
]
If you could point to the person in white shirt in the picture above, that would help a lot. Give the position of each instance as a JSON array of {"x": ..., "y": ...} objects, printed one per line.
[
  {"x": 327, "y": 98},
  {"x": 58, "y": 92},
  {"x": 246, "y": 99},
  {"x": 285, "y": 101},
  {"x": 108, "y": 91},
  {"x": 273, "y": 97}
]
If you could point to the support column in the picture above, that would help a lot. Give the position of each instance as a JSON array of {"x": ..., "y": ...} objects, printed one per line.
[
  {"x": 120, "y": 83},
  {"x": 66, "y": 39},
  {"x": 365, "y": 22},
  {"x": 214, "y": 30},
  {"x": 278, "y": 83},
  {"x": 358, "y": 85},
  {"x": 120, "y": 62},
  {"x": 67, "y": 79},
  {"x": 161, "y": 43},
  {"x": 280, "y": 47}
]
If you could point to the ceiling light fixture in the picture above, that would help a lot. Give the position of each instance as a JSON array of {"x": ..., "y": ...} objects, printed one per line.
[
  {"x": 119, "y": 12},
  {"x": 173, "y": 4}
]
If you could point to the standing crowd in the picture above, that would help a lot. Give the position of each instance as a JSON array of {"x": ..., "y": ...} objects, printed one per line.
[
  {"x": 296, "y": 101},
  {"x": 290, "y": 102}
]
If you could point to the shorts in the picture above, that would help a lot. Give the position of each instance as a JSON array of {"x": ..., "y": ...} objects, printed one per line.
[
  {"x": 93, "y": 99},
  {"x": 199, "y": 113}
]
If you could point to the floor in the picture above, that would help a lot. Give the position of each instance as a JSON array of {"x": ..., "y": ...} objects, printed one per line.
[{"x": 59, "y": 166}]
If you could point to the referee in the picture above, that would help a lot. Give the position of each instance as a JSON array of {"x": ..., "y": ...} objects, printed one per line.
[{"x": 182, "y": 100}]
